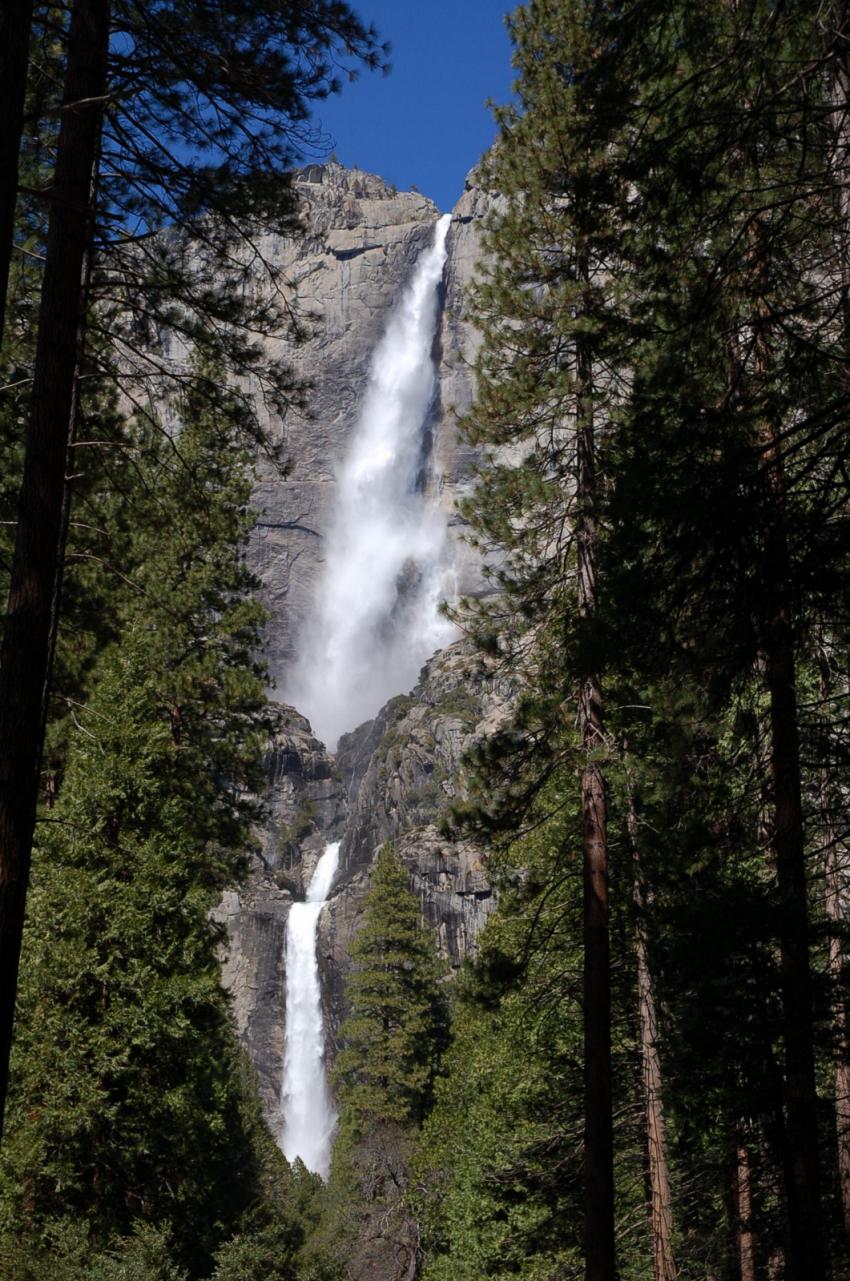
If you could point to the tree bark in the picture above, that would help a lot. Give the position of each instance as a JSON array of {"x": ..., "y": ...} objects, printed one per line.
[
  {"x": 15, "y": 26},
  {"x": 600, "y": 1257},
  {"x": 744, "y": 1210},
  {"x": 807, "y": 1257},
  {"x": 839, "y": 37},
  {"x": 661, "y": 1201},
  {"x": 804, "y": 1199},
  {"x": 25, "y": 658},
  {"x": 835, "y": 896}
]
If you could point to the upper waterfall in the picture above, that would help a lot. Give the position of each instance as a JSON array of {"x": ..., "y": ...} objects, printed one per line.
[{"x": 376, "y": 617}]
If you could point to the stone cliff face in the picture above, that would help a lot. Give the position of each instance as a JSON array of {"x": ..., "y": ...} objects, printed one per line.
[
  {"x": 361, "y": 245},
  {"x": 392, "y": 778},
  {"x": 306, "y": 807},
  {"x": 402, "y": 771}
]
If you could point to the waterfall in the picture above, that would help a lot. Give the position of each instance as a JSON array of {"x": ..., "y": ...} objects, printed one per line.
[
  {"x": 376, "y": 621},
  {"x": 308, "y": 1115},
  {"x": 376, "y": 618}
]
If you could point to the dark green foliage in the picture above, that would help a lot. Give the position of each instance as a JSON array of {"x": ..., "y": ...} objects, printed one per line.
[
  {"x": 395, "y": 1029},
  {"x": 500, "y": 1160},
  {"x": 693, "y": 160},
  {"x": 501, "y": 1151},
  {"x": 67, "y": 1255},
  {"x": 129, "y": 1101},
  {"x": 392, "y": 1040}
]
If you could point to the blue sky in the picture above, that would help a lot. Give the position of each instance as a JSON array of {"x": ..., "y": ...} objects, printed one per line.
[{"x": 426, "y": 122}]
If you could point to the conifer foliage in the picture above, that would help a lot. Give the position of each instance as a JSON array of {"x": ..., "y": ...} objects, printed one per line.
[
  {"x": 130, "y": 1102},
  {"x": 169, "y": 113},
  {"x": 394, "y": 1031},
  {"x": 391, "y": 1043},
  {"x": 664, "y": 357}
]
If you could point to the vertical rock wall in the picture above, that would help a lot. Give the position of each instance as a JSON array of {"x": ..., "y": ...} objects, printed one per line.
[{"x": 361, "y": 243}]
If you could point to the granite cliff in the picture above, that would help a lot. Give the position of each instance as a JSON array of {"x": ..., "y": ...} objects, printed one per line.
[
  {"x": 362, "y": 239},
  {"x": 392, "y": 778}
]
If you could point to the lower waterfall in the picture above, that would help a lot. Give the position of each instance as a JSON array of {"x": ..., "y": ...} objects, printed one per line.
[{"x": 308, "y": 1113}]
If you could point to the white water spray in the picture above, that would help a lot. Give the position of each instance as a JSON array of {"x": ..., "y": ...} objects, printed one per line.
[
  {"x": 377, "y": 619},
  {"x": 308, "y": 1114}
]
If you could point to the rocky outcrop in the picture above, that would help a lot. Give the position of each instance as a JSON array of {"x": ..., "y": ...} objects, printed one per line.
[
  {"x": 393, "y": 779},
  {"x": 402, "y": 772},
  {"x": 455, "y": 459}
]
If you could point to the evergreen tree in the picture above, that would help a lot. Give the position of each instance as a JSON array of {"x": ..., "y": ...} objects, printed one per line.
[
  {"x": 392, "y": 1039},
  {"x": 701, "y": 169},
  {"x": 15, "y": 24},
  {"x": 548, "y": 384},
  {"x": 501, "y": 1153},
  {"x": 129, "y": 1100},
  {"x": 393, "y": 1033}
]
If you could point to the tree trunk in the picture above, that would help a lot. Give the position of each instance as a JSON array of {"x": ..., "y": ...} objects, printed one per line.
[
  {"x": 839, "y": 38},
  {"x": 807, "y": 1258},
  {"x": 600, "y": 1258},
  {"x": 25, "y": 658},
  {"x": 835, "y": 894},
  {"x": 15, "y": 26},
  {"x": 804, "y": 1203},
  {"x": 744, "y": 1210},
  {"x": 835, "y": 915},
  {"x": 661, "y": 1201}
]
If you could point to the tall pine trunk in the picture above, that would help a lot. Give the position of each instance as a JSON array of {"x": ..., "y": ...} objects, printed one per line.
[
  {"x": 661, "y": 1200},
  {"x": 600, "y": 1259},
  {"x": 745, "y": 1236},
  {"x": 835, "y": 895},
  {"x": 839, "y": 37},
  {"x": 25, "y": 658},
  {"x": 15, "y": 25},
  {"x": 804, "y": 1198},
  {"x": 840, "y": 1023},
  {"x": 776, "y": 633}
]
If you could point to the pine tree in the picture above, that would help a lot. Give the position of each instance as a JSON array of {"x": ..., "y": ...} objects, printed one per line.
[
  {"x": 129, "y": 1102},
  {"x": 503, "y": 1196},
  {"x": 711, "y": 342},
  {"x": 394, "y": 1030},
  {"x": 548, "y": 384},
  {"x": 392, "y": 1040},
  {"x": 15, "y": 25}
]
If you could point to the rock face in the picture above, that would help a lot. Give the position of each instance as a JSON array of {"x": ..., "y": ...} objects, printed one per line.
[
  {"x": 393, "y": 778},
  {"x": 360, "y": 248},
  {"x": 306, "y": 805},
  {"x": 402, "y": 771}
]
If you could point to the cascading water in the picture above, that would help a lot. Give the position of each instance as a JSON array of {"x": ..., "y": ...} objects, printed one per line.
[
  {"x": 376, "y": 622},
  {"x": 377, "y": 619},
  {"x": 308, "y": 1112}
]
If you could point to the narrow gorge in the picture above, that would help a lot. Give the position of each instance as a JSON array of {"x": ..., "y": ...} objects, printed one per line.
[{"x": 356, "y": 547}]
